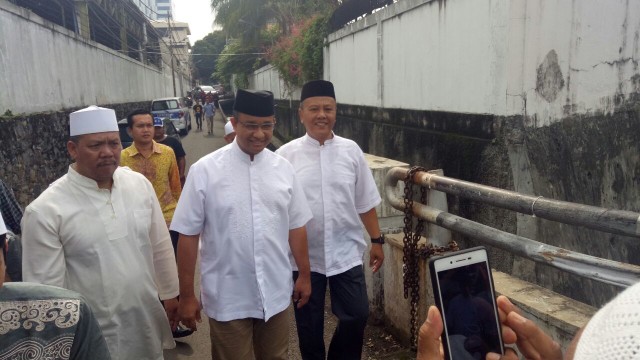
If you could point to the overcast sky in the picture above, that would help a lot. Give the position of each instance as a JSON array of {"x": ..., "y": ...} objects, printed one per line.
[{"x": 198, "y": 14}]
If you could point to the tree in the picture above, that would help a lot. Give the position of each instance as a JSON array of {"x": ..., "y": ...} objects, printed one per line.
[
  {"x": 269, "y": 26},
  {"x": 237, "y": 59},
  {"x": 205, "y": 56}
]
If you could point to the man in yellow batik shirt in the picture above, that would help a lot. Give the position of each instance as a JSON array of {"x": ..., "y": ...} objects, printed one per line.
[{"x": 158, "y": 164}]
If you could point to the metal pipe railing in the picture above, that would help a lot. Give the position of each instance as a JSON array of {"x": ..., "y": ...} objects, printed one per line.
[
  {"x": 619, "y": 222},
  {"x": 603, "y": 270}
]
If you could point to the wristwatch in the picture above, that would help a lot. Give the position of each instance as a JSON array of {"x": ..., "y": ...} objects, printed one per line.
[{"x": 378, "y": 240}]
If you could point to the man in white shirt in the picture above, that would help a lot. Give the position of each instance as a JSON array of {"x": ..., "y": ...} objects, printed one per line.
[
  {"x": 246, "y": 208},
  {"x": 99, "y": 230},
  {"x": 341, "y": 193}
]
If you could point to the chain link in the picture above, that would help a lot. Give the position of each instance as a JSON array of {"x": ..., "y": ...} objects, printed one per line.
[{"x": 411, "y": 253}]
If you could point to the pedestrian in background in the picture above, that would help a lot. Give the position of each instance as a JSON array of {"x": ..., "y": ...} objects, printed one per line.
[
  {"x": 161, "y": 138},
  {"x": 342, "y": 194},
  {"x": 197, "y": 110},
  {"x": 99, "y": 231},
  {"x": 244, "y": 209},
  {"x": 209, "y": 112}
]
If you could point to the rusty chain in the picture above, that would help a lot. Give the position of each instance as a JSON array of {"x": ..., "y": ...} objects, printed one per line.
[{"x": 411, "y": 253}]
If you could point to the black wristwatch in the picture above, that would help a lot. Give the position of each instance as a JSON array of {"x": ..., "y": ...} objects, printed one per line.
[{"x": 378, "y": 240}]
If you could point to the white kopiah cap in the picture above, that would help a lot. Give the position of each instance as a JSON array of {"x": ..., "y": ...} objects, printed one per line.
[
  {"x": 228, "y": 128},
  {"x": 3, "y": 228},
  {"x": 92, "y": 120},
  {"x": 614, "y": 331}
]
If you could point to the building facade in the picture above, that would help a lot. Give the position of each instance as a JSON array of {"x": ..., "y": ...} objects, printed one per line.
[
  {"x": 148, "y": 8},
  {"x": 164, "y": 9}
]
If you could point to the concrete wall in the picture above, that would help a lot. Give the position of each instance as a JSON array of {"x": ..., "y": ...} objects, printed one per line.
[
  {"x": 44, "y": 67},
  {"x": 544, "y": 59}
]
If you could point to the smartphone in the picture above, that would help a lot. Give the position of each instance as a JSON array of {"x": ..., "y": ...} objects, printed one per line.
[{"x": 464, "y": 293}]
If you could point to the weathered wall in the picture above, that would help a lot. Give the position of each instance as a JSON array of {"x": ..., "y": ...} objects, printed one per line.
[
  {"x": 34, "y": 153},
  {"x": 44, "y": 67},
  {"x": 542, "y": 59}
]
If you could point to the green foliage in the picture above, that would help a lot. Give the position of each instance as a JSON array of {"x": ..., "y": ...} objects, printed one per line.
[
  {"x": 205, "y": 65},
  {"x": 238, "y": 59},
  {"x": 281, "y": 27},
  {"x": 298, "y": 56}
]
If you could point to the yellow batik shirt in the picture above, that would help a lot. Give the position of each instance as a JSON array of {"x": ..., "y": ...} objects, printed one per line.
[{"x": 161, "y": 169}]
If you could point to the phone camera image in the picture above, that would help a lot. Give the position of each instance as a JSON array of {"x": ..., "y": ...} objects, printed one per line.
[{"x": 469, "y": 312}]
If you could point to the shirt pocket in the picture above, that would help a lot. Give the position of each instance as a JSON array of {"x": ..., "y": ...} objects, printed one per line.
[{"x": 142, "y": 226}]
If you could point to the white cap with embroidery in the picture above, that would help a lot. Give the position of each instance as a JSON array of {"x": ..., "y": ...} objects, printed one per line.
[
  {"x": 614, "y": 331},
  {"x": 92, "y": 120}
]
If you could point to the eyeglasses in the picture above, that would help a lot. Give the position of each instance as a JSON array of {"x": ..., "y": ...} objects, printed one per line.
[{"x": 268, "y": 126}]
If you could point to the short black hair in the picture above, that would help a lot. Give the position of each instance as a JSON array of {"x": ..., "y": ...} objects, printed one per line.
[{"x": 135, "y": 113}]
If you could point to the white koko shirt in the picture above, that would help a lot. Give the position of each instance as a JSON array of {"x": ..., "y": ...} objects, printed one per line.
[
  {"x": 243, "y": 210},
  {"x": 114, "y": 248},
  {"x": 339, "y": 187}
]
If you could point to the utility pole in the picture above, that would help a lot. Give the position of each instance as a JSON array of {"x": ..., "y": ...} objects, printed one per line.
[
  {"x": 170, "y": 35},
  {"x": 173, "y": 74}
]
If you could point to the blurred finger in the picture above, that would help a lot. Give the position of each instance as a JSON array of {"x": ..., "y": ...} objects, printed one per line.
[
  {"x": 532, "y": 341},
  {"x": 429, "y": 341}
]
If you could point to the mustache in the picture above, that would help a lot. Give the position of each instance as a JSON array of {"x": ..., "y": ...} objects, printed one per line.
[{"x": 107, "y": 163}]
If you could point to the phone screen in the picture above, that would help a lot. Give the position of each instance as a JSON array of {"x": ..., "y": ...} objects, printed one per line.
[{"x": 468, "y": 310}]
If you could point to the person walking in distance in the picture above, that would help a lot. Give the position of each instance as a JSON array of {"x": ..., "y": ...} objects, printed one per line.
[{"x": 209, "y": 112}]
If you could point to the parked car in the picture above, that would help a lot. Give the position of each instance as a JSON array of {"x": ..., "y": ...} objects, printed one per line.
[
  {"x": 207, "y": 89},
  {"x": 174, "y": 108},
  {"x": 126, "y": 139}
]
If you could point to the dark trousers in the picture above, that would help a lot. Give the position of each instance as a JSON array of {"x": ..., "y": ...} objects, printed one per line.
[
  {"x": 199, "y": 121},
  {"x": 349, "y": 304},
  {"x": 174, "y": 241}
]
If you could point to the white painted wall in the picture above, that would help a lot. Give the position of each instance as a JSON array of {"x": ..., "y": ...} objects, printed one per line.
[
  {"x": 482, "y": 56},
  {"x": 44, "y": 67},
  {"x": 268, "y": 78}
]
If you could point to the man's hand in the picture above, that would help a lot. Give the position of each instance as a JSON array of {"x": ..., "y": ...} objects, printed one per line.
[
  {"x": 171, "y": 308},
  {"x": 189, "y": 311},
  {"x": 532, "y": 342},
  {"x": 376, "y": 257},
  {"x": 301, "y": 290}
]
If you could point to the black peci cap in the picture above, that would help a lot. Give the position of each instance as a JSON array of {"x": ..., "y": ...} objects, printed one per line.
[
  {"x": 254, "y": 102},
  {"x": 317, "y": 88}
]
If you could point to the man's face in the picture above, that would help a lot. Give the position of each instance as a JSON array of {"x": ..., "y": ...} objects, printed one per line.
[
  {"x": 97, "y": 156},
  {"x": 159, "y": 133},
  {"x": 252, "y": 134},
  {"x": 318, "y": 115},
  {"x": 142, "y": 129}
]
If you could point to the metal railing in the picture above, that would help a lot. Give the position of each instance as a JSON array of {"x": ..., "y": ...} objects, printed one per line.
[{"x": 606, "y": 220}]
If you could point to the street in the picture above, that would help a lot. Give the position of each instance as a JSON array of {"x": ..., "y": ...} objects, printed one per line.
[{"x": 377, "y": 343}]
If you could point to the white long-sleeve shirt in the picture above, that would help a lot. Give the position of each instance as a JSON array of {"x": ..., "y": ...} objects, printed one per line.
[
  {"x": 339, "y": 187},
  {"x": 113, "y": 247},
  {"x": 243, "y": 210}
]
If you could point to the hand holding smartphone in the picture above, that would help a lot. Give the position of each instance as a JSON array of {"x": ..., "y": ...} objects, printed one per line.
[{"x": 464, "y": 293}]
